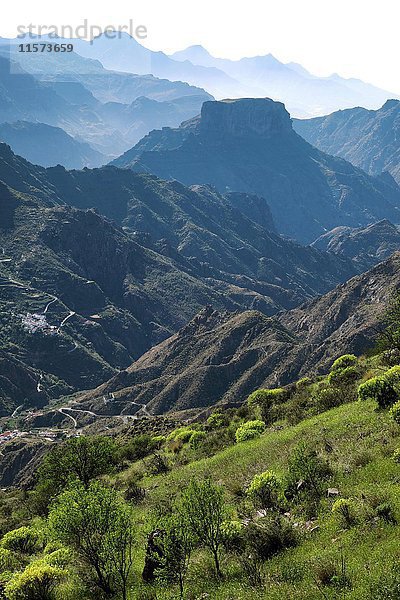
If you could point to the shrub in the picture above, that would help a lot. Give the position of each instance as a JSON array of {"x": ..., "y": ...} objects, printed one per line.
[
  {"x": 24, "y": 539},
  {"x": 343, "y": 376},
  {"x": 138, "y": 447},
  {"x": 392, "y": 375},
  {"x": 269, "y": 536},
  {"x": 265, "y": 401},
  {"x": 196, "y": 439},
  {"x": 38, "y": 581},
  {"x": 306, "y": 471},
  {"x": 159, "y": 440},
  {"x": 182, "y": 434},
  {"x": 303, "y": 382},
  {"x": 232, "y": 536},
  {"x": 264, "y": 489},
  {"x": 385, "y": 512},
  {"x": 379, "y": 389},
  {"x": 58, "y": 558},
  {"x": 395, "y": 413},
  {"x": 344, "y": 509},
  {"x": 343, "y": 362},
  {"x": 249, "y": 430},
  {"x": 216, "y": 420},
  {"x": 326, "y": 398},
  {"x": 9, "y": 560}
]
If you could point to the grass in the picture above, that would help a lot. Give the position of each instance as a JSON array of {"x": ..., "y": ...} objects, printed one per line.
[{"x": 358, "y": 442}]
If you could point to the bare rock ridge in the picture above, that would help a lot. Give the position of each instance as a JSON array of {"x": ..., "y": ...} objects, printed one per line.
[{"x": 245, "y": 117}]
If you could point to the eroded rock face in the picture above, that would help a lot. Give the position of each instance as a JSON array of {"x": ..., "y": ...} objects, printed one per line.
[{"x": 245, "y": 118}]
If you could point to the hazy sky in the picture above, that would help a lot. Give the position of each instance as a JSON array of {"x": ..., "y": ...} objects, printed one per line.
[{"x": 355, "y": 38}]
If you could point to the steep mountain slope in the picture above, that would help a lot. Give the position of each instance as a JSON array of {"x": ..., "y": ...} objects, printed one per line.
[
  {"x": 205, "y": 232},
  {"x": 249, "y": 145},
  {"x": 80, "y": 298},
  {"x": 369, "y": 139},
  {"x": 48, "y": 146},
  {"x": 366, "y": 246},
  {"x": 223, "y": 357},
  {"x": 303, "y": 93}
]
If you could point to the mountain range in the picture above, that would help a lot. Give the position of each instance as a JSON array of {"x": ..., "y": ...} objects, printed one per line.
[
  {"x": 369, "y": 139},
  {"x": 249, "y": 145},
  {"x": 110, "y": 111},
  {"x": 222, "y": 357},
  {"x": 82, "y": 296}
]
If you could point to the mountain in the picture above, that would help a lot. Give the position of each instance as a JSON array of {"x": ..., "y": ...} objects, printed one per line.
[
  {"x": 81, "y": 297},
  {"x": 249, "y": 145},
  {"x": 124, "y": 53},
  {"x": 369, "y": 139},
  {"x": 48, "y": 146},
  {"x": 303, "y": 93},
  {"x": 366, "y": 246},
  {"x": 222, "y": 357},
  {"x": 75, "y": 95}
]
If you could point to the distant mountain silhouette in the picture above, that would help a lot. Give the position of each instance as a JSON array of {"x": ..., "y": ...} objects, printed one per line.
[
  {"x": 75, "y": 95},
  {"x": 304, "y": 94}
]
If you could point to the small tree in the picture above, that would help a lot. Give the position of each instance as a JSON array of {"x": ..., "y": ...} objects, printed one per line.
[
  {"x": 97, "y": 524},
  {"x": 81, "y": 458},
  {"x": 203, "y": 510},
  {"x": 175, "y": 546},
  {"x": 265, "y": 400}
]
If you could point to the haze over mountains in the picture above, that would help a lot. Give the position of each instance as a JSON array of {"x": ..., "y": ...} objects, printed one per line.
[
  {"x": 109, "y": 111},
  {"x": 249, "y": 145},
  {"x": 304, "y": 94}
]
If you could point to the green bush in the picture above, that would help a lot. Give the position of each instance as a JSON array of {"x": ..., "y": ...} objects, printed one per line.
[
  {"x": 378, "y": 389},
  {"x": 392, "y": 375},
  {"x": 182, "y": 434},
  {"x": 24, "y": 540},
  {"x": 343, "y": 362},
  {"x": 39, "y": 581},
  {"x": 232, "y": 535},
  {"x": 216, "y": 420},
  {"x": 344, "y": 509},
  {"x": 306, "y": 472},
  {"x": 395, "y": 412},
  {"x": 269, "y": 536},
  {"x": 249, "y": 430},
  {"x": 137, "y": 448},
  {"x": 9, "y": 560},
  {"x": 265, "y": 400},
  {"x": 264, "y": 490},
  {"x": 343, "y": 376},
  {"x": 196, "y": 439}
]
